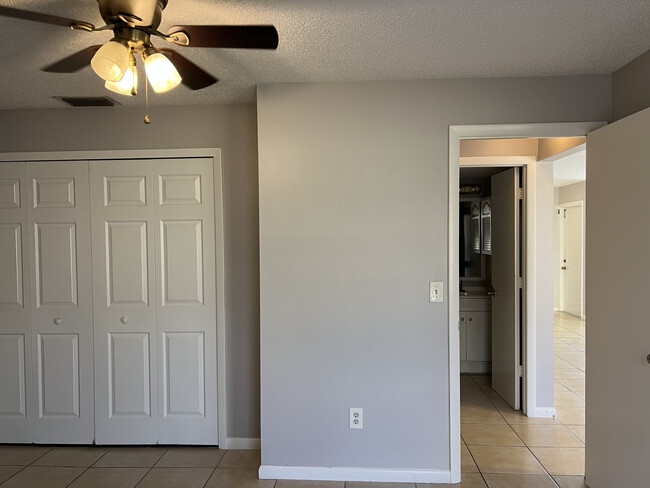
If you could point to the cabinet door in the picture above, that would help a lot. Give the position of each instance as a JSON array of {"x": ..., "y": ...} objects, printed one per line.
[
  {"x": 124, "y": 302},
  {"x": 61, "y": 406},
  {"x": 15, "y": 330},
  {"x": 462, "y": 317},
  {"x": 479, "y": 336},
  {"x": 186, "y": 304}
]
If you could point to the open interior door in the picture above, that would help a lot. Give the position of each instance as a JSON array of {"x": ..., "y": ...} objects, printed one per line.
[
  {"x": 618, "y": 332},
  {"x": 506, "y": 323}
]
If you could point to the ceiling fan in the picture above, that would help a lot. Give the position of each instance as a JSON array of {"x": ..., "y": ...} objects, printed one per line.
[{"x": 134, "y": 23}]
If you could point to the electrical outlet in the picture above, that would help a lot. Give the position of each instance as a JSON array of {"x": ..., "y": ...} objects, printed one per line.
[
  {"x": 356, "y": 418},
  {"x": 435, "y": 292}
]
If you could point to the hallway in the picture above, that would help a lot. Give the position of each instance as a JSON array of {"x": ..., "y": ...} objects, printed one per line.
[{"x": 504, "y": 449}]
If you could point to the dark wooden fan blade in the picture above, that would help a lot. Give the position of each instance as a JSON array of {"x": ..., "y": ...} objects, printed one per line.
[
  {"x": 194, "y": 77},
  {"x": 73, "y": 62},
  {"x": 230, "y": 36},
  {"x": 16, "y": 13}
]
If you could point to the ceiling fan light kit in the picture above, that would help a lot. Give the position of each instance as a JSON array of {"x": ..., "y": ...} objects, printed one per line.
[
  {"x": 111, "y": 61},
  {"x": 161, "y": 73},
  {"x": 133, "y": 23},
  {"x": 128, "y": 85}
]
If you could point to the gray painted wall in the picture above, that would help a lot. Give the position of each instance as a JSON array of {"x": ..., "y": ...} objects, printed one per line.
[
  {"x": 630, "y": 87},
  {"x": 353, "y": 224},
  {"x": 233, "y": 129}
]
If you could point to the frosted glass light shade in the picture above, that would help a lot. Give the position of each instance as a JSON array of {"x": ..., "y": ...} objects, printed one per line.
[
  {"x": 161, "y": 73},
  {"x": 111, "y": 61},
  {"x": 128, "y": 85}
]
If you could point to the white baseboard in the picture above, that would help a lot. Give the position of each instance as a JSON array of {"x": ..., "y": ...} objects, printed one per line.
[
  {"x": 354, "y": 474},
  {"x": 545, "y": 412},
  {"x": 242, "y": 443}
]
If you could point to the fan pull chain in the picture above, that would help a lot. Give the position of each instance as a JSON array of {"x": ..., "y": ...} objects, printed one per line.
[{"x": 147, "y": 119}]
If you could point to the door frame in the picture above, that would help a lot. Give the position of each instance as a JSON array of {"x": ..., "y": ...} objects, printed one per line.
[
  {"x": 497, "y": 131},
  {"x": 215, "y": 154},
  {"x": 561, "y": 233}
]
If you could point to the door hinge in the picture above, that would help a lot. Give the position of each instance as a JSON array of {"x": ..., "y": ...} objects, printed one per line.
[
  {"x": 520, "y": 193},
  {"x": 520, "y": 282},
  {"x": 520, "y": 371}
]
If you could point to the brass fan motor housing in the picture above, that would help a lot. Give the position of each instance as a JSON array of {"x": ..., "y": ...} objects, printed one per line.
[{"x": 134, "y": 13}]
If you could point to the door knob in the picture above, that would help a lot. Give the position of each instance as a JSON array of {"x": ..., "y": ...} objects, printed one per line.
[
  {"x": 57, "y": 321},
  {"x": 124, "y": 319}
]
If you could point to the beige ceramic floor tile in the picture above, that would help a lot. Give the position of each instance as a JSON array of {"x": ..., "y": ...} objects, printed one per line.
[
  {"x": 43, "y": 477},
  {"x": 505, "y": 460},
  {"x": 578, "y": 430},
  {"x": 546, "y": 435},
  {"x": 191, "y": 457},
  {"x": 490, "y": 435},
  {"x": 7, "y": 472},
  {"x": 571, "y": 415},
  {"x": 109, "y": 478},
  {"x": 480, "y": 414},
  {"x": 130, "y": 457},
  {"x": 241, "y": 459},
  {"x": 175, "y": 478},
  {"x": 571, "y": 481},
  {"x": 467, "y": 464},
  {"x": 309, "y": 484},
  {"x": 519, "y": 481},
  {"x": 568, "y": 399},
  {"x": 561, "y": 460},
  {"x": 21, "y": 455},
  {"x": 570, "y": 374},
  {"x": 237, "y": 478},
  {"x": 493, "y": 396},
  {"x": 362, "y": 484},
  {"x": 473, "y": 396},
  {"x": 562, "y": 364},
  {"x": 483, "y": 379},
  {"x": 71, "y": 456},
  {"x": 573, "y": 385},
  {"x": 514, "y": 417},
  {"x": 468, "y": 480}
]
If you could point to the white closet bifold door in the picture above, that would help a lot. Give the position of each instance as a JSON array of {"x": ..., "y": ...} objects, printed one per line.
[
  {"x": 186, "y": 303},
  {"x": 15, "y": 329},
  {"x": 61, "y": 404},
  {"x": 124, "y": 302}
]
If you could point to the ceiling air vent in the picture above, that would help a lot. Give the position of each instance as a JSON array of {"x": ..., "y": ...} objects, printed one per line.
[{"x": 88, "y": 101}]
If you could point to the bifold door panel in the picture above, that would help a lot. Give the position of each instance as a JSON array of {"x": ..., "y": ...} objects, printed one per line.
[
  {"x": 117, "y": 345},
  {"x": 61, "y": 302}
]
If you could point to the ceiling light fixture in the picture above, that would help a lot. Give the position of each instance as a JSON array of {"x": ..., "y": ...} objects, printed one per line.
[
  {"x": 111, "y": 61},
  {"x": 161, "y": 72},
  {"x": 128, "y": 85}
]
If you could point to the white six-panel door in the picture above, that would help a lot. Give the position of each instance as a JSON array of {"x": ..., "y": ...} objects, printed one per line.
[
  {"x": 61, "y": 303},
  {"x": 186, "y": 305},
  {"x": 120, "y": 347},
  {"x": 15, "y": 329},
  {"x": 155, "y": 313},
  {"x": 124, "y": 302}
]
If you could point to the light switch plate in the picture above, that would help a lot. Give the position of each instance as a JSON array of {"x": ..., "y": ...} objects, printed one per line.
[{"x": 435, "y": 292}]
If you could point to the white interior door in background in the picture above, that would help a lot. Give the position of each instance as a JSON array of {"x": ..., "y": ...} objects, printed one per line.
[
  {"x": 61, "y": 303},
  {"x": 186, "y": 303},
  {"x": 618, "y": 335},
  {"x": 126, "y": 389},
  {"x": 506, "y": 271},
  {"x": 571, "y": 257},
  {"x": 15, "y": 329}
]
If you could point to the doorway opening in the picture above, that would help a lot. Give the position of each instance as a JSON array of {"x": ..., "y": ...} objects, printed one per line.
[{"x": 537, "y": 259}]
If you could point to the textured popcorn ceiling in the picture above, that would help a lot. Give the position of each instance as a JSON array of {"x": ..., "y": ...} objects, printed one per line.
[{"x": 332, "y": 40}]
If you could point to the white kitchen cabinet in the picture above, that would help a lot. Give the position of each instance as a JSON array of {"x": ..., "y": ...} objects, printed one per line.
[{"x": 475, "y": 327}]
